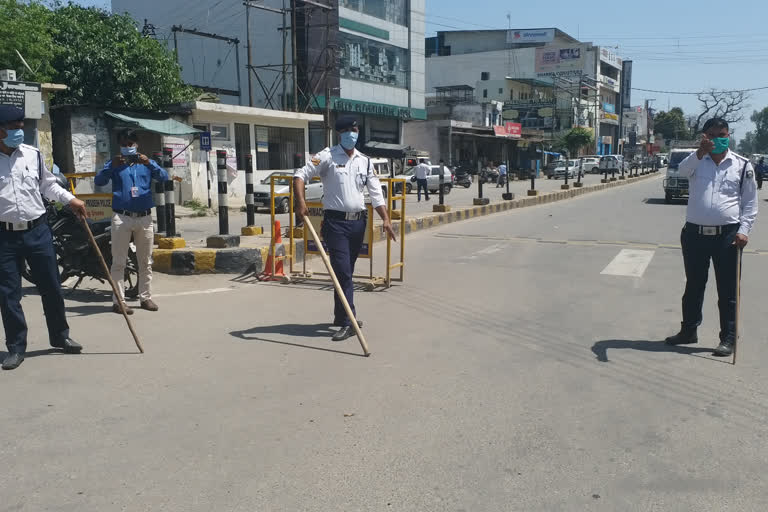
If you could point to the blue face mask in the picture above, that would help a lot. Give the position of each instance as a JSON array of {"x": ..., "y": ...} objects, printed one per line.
[
  {"x": 721, "y": 144},
  {"x": 127, "y": 151},
  {"x": 14, "y": 138},
  {"x": 349, "y": 140}
]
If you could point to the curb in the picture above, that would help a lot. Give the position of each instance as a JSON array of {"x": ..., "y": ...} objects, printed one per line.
[{"x": 241, "y": 260}]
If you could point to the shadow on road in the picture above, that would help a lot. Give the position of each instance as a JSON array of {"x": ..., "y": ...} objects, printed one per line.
[
  {"x": 58, "y": 352},
  {"x": 659, "y": 200},
  {"x": 298, "y": 330},
  {"x": 600, "y": 348}
]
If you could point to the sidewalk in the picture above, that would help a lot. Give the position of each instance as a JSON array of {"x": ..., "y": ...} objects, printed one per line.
[{"x": 253, "y": 250}]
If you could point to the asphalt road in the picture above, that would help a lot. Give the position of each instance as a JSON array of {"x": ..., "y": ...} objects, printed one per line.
[{"x": 516, "y": 369}]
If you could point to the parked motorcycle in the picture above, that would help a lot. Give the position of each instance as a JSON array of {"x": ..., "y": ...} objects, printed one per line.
[
  {"x": 463, "y": 179},
  {"x": 75, "y": 254}
]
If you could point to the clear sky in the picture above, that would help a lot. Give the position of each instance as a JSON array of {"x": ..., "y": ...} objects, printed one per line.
[{"x": 676, "y": 45}]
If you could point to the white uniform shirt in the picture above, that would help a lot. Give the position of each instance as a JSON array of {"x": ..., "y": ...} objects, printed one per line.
[
  {"x": 422, "y": 171},
  {"x": 716, "y": 195},
  {"x": 344, "y": 179},
  {"x": 24, "y": 179}
]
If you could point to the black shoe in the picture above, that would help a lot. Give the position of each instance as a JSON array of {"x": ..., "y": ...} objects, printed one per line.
[
  {"x": 686, "y": 336},
  {"x": 69, "y": 346},
  {"x": 337, "y": 323},
  {"x": 725, "y": 348},
  {"x": 345, "y": 332},
  {"x": 13, "y": 361}
]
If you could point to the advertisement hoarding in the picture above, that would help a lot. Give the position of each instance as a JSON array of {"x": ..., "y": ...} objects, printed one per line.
[
  {"x": 560, "y": 60},
  {"x": 626, "y": 84},
  {"x": 544, "y": 35}
]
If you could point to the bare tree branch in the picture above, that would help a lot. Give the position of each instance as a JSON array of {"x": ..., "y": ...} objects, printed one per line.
[{"x": 727, "y": 105}]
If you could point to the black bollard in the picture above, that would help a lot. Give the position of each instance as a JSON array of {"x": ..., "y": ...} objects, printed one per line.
[
  {"x": 442, "y": 181},
  {"x": 159, "y": 196},
  {"x": 249, "y": 206},
  {"x": 170, "y": 195},
  {"x": 221, "y": 173}
]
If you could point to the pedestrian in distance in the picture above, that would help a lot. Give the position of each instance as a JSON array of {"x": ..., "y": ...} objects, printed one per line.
[
  {"x": 420, "y": 172},
  {"x": 26, "y": 237},
  {"x": 345, "y": 173},
  {"x": 131, "y": 174},
  {"x": 502, "y": 176},
  {"x": 760, "y": 172},
  {"x": 722, "y": 208}
]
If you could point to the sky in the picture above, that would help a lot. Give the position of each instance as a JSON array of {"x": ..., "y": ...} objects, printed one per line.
[{"x": 675, "y": 45}]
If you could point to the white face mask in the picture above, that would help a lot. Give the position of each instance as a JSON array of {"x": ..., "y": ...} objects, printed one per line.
[{"x": 127, "y": 151}]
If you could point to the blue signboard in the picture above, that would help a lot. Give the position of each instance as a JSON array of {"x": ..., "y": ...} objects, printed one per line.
[
  {"x": 205, "y": 141},
  {"x": 609, "y": 107}
]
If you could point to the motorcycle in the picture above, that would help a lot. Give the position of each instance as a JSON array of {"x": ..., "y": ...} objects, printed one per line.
[
  {"x": 464, "y": 179},
  {"x": 75, "y": 254}
]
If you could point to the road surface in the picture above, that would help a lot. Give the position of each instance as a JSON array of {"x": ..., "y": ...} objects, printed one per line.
[{"x": 518, "y": 368}]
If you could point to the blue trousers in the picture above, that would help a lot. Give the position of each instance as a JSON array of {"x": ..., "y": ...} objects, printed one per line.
[
  {"x": 343, "y": 238},
  {"x": 422, "y": 184},
  {"x": 698, "y": 250},
  {"x": 36, "y": 248}
]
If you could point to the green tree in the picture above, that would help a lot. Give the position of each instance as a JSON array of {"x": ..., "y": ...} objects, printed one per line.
[
  {"x": 576, "y": 139},
  {"x": 747, "y": 144},
  {"x": 102, "y": 58},
  {"x": 26, "y": 29},
  {"x": 671, "y": 125},
  {"x": 760, "y": 118}
]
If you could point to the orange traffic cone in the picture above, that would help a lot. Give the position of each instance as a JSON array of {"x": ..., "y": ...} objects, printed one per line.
[{"x": 278, "y": 274}]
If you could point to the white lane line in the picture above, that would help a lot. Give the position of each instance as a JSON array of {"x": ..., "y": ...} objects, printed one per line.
[
  {"x": 629, "y": 262},
  {"x": 491, "y": 249},
  {"x": 196, "y": 292}
]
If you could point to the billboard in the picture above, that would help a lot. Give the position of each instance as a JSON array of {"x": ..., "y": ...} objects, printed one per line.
[
  {"x": 509, "y": 130},
  {"x": 560, "y": 60},
  {"x": 543, "y": 35},
  {"x": 626, "y": 84}
]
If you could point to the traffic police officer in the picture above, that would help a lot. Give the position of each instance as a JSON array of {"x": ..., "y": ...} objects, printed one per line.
[
  {"x": 25, "y": 235},
  {"x": 345, "y": 173},
  {"x": 722, "y": 207}
]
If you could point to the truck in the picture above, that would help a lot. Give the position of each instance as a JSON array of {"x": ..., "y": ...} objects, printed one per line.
[{"x": 674, "y": 185}]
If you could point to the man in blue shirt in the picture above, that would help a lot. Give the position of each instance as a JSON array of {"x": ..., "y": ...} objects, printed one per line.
[
  {"x": 502, "y": 176},
  {"x": 760, "y": 171},
  {"x": 131, "y": 174}
]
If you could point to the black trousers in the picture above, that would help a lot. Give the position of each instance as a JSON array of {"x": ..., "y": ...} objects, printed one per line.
[
  {"x": 344, "y": 239},
  {"x": 36, "y": 248},
  {"x": 422, "y": 184},
  {"x": 698, "y": 250}
]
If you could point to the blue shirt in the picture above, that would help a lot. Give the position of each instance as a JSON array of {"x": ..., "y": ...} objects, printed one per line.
[
  {"x": 125, "y": 177},
  {"x": 502, "y": 169}
]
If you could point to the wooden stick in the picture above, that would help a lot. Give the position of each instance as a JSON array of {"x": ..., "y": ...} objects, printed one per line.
[
  {"x": 738, "y": 301},
  {"x": 104, "y": 267},
  {"x": 336, "y": 285}
]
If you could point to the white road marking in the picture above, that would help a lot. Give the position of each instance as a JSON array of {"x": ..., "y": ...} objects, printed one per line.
[
  {"x": 491, "y": 249},
  {"x": 196, "y": 292},
  {"x": 629, "y": 262}
]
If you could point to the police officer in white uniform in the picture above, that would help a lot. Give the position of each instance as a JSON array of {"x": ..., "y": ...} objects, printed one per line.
[
  {"x": 345, "y": 173},
  {"x": 25, "y": 236},
  {"x": 722, "y": 207}
]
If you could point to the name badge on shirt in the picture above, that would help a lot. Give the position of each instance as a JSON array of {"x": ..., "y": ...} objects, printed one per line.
[{"x": 134, "y": 191}]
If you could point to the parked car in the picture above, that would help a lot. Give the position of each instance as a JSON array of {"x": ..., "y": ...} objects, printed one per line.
[
  {"x": 549, "y": 169},
  {"x": 433, "y": 180},
  {"x": 591, "y": 164},
  {"x": 313, "y": 191},
  {"x": 612, "y": 162},
  {"x": 572, "y": 170}
]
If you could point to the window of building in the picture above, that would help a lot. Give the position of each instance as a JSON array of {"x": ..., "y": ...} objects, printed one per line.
[
  {"x": 278, "y": 148},
  {"x": 501, "y": 90},
  {"x": 371, "y": 61},
  {"x": 220, "y": 131},
  {"x": 394, "y": 11},
  {"x": 242, "y": 145},
  {"x": 485, "y": 75},
  {"x": 485, "y": 93}
]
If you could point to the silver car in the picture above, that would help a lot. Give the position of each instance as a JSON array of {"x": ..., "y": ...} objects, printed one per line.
[{"x": 313, "y": 191}]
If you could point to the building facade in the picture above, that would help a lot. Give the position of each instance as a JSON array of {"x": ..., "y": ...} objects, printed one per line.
[{"x": 359, "y": 57}]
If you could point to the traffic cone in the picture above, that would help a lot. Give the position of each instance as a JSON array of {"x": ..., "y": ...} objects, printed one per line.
[{"x": 266, "y": 274}]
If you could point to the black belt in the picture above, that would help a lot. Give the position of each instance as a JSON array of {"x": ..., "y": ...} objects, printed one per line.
[
  {"x": 711, "y": 230},
  {"x": 142, "y": 213},
  {"x": 22, "y": 226},
  {"x": 335, "y": 214}
]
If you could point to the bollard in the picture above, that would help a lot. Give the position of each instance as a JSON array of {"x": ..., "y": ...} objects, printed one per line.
[
  {"x": 533, "y": 191},
  {"x": 221, "y": 173},
  {"x": 565, "y": 185},
  {"x": 170, "y": 196},
  {"x": 578, "y": 183},
  {"x": 250, "y": 217},
  {"x": 159, "y": 196},
  {"x": 441, "y": 206},
  {"x": 480, "y": 200},
  {"x": 508, "y": 196},
  {"x": 613, "y": 174},
  {"x": 208, "y": 177},
  {"x": 622, "y": 177},
  {"x": 605, "y": 176}
]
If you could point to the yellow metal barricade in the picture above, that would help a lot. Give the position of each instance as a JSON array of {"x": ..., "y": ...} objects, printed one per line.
[{"x": 97, "y": 206}]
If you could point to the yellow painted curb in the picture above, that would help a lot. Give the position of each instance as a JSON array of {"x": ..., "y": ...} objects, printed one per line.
[
  {"x": 255, "y": 230},
  {"x": 205, "y": 260},
  {"x": 161, "y": 260},
  {"x": 172, "y": 243}
]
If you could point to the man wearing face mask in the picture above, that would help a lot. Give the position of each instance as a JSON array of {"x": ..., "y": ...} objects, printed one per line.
[
  {"x": 25, "y": 236},
  {"x": 345, "y": 173},
  {"x": 722, "y": 208},
  {"x": 131, "y": 174}
]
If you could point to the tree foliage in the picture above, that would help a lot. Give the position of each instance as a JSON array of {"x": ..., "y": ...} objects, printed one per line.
[
  {"x": 576, "y": 139},
  {"x": 102, "y": 58},
  {"x": 760, "y": 118},
  {"x": 671, "y": 125}
]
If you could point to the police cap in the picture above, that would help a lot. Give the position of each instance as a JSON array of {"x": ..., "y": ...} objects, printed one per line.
[
  {"x": 345, "y": 123},
  {"x": 10, "y": 113}
]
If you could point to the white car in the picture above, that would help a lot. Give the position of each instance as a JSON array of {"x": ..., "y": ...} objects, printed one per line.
[
  {"x": 313, "y": 191},
  {"x": 591, "y": 164},
  {"x": 433, "y": 180},
  {"x": 612, "y": 162},
  {"x": 560, "y": 170}
]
